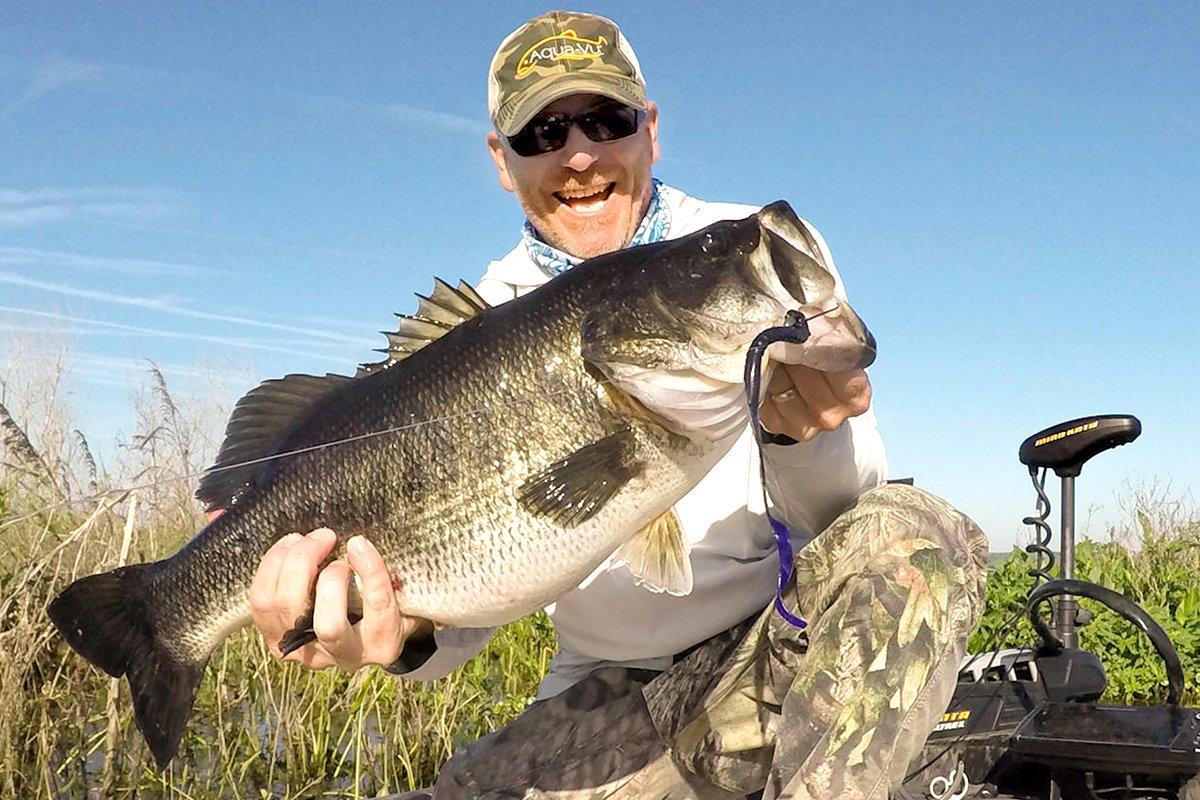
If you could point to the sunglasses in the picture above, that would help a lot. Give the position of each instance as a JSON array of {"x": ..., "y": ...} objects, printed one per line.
[{"x": 546, "y": 133}]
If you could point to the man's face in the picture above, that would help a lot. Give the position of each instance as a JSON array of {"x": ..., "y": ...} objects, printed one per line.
[{"x": 586, "y": 198}]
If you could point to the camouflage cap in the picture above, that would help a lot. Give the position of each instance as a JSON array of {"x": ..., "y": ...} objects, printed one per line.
[{"x": 556, "y": 54}]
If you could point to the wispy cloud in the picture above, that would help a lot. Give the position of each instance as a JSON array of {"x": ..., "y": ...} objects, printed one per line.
[
  {"x": 55, "y": 73},
  {"x": 40, "y": 330},
  {"x": 165, "y": 306},
  {"x": 20, "y": 208},
  {"x": 96, "y": 368},
  {"x": 120, "y": 372},
  {"x": 39, "y": 259},
  {"x": 86, "y": 326},
  {"x": 253, "y": 240},
  {"x": 404, "y": 114}
]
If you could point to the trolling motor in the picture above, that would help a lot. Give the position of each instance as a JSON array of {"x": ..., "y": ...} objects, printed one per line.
[
  {"x": 1026, "y": 722},
  {"x": 1065, "y": 448}
]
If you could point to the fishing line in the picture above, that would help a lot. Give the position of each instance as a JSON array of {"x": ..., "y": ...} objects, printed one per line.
[
  {"x": 970, "y": 694},
  {"x": 490, "y": 410}
]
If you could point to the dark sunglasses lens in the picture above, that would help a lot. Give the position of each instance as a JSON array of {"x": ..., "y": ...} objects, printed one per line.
[
  {"x": 609, "y": 123},
  {"x": 541, "y": 135},
  {"x": 547, "y": 134}
]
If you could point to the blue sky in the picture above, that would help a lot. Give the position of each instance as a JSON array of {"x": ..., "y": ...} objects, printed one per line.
[{"x": 1009, "y": 192}]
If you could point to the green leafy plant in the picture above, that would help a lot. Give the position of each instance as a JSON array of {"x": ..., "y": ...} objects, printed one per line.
[{"x": 1157, "y": 570}]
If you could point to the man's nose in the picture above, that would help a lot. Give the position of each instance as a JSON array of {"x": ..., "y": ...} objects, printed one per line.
[{"x": 580, "y": 151}]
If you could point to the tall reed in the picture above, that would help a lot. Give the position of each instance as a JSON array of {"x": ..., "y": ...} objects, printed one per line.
[
  {"x": 266, "y": 729},
  {"x": 260, "y": 728}
]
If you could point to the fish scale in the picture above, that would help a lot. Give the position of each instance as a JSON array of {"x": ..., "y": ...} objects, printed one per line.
[
  {"x": 495, "y": 457},
  {"x": 463, "y": 499}
]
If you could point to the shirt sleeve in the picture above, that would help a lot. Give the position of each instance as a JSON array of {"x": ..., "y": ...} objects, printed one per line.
[
  {"x": 494, "y": 291},
  {"x": 810, "y": 483},
  {"x": 450, "y": 649}
]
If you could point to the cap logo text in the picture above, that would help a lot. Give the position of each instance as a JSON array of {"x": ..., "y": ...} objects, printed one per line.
[{"x": 565, "y": 46}]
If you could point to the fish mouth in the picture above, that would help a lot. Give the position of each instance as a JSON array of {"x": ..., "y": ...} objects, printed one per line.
[
  {"x": 586, "y": 201},
  {"x": 838, "y": 340}
]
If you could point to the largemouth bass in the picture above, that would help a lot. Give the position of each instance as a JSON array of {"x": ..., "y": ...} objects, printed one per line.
[{"x": 495, "y": 458}]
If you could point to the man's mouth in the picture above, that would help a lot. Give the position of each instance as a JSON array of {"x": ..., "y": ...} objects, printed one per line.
[{"x": 585, "y": 201}]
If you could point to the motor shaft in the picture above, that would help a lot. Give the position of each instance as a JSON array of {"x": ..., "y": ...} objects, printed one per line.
[{"x": 1067, "y": 605}]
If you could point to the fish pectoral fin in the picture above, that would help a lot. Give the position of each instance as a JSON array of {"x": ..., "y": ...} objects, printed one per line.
[
  {"x": 572, "y": 490},
  {"x": 659, "y": 556}
]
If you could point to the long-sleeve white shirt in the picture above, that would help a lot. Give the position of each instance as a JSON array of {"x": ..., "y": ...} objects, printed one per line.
[{"x": 609, "y": 619}]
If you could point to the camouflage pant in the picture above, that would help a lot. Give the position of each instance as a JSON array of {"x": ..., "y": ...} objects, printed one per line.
[{"x": 891, "y": 591}]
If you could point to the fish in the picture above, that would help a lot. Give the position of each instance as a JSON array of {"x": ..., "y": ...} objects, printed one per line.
[{"x": 496, "y": 456}]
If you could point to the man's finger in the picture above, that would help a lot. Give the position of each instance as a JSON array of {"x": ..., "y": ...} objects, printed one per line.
[
  {"x": 266, "y": 577},
  {"x": 380, "y": 628},
  {"x": 312, "y": 656},
  {"x": 299, "y": 572},
  {"x": 853, "y": 388},
  {"x": 815, "y": 403},
  {"x": 330, "y": 622}
]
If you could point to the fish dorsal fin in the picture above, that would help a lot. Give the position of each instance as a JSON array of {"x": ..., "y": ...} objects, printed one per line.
[
  {"x": 658, "y": 556},
  {"x": 259, "y": 425},
  {"x": 573, "y": 489},
  {"x": 443, "y": 310}
]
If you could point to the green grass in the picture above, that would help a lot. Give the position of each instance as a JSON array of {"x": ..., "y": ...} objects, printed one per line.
[
  {"x": 1161, "y": 574},
  {"x": 260, "y": 728},
  {"x": 265, "y": 729}
]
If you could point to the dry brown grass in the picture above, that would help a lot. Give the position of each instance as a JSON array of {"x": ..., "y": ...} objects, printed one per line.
[{"x": 260, "y": 728}]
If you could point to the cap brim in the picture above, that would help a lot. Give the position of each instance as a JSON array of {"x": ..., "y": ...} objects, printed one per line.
[{"x": 543, "y": 94}]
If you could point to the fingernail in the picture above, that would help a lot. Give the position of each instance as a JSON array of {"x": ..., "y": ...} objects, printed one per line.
[{"x": 357, "y": 545}]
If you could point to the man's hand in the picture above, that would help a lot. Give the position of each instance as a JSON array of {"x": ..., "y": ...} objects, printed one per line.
[
  {"x": 801, "y": 402},
  {"x": 283, "y": 589}
]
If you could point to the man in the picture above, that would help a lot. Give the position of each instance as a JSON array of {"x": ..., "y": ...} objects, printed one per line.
[{"x": 575, "y": 139}]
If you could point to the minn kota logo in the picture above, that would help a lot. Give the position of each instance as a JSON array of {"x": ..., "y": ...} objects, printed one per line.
[{"x": 565, "y": 46}]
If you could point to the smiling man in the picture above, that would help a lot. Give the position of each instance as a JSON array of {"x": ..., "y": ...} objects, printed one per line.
[
  {"x": 592, "y": 200},
  {"x": 651, "y": 692}
]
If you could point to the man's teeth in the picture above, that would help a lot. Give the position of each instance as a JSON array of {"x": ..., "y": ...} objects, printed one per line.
[
  {"x": 585, "y": 201},
  {"x": 590, "y": 203}
]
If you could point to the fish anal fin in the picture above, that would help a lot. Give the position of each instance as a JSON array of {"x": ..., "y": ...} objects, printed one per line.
[
  {"x": 574, "y": 489},
  {"x": 302, "y": 633},
  {"x": 258, "y": 427},
  {"x": 658, "y": 556}
]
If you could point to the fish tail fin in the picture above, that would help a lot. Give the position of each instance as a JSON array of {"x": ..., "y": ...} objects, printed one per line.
[{"x": 110, "y": 620}]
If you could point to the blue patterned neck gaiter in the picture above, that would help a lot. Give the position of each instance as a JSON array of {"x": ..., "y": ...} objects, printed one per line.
[{"x": 653, "y": 228}]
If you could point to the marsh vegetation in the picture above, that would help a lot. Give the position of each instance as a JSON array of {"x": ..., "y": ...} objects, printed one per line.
[{"x": 265, "y": 729}]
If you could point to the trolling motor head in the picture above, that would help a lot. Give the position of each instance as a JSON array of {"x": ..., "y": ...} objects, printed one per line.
[{"x": 1065, "y": 448}]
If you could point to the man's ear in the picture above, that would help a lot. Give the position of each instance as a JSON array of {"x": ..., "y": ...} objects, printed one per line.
[
  {"x": 652, "y": 129},
  {"x": 500, "y": 159}
]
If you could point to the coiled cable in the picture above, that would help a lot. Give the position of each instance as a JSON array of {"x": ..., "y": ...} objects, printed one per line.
[{"x": 1040, "y": 549}]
